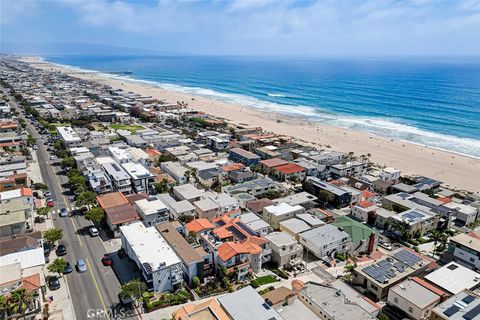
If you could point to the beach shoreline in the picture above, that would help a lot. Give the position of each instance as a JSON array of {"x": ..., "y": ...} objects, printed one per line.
[{"x": 455, "y": 170}]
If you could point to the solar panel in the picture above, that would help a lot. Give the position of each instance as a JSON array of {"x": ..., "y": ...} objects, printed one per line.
[
  {"x": 246, "y": 228},
  {"x": 468, "y": 299},
  {"x": 451, "y": 311},
  {"x": 380, "y": 271},
  {"x": 239, "y": 235},
  {"x": 407, "y": 257},
  {"x": 472, "y": 314}
]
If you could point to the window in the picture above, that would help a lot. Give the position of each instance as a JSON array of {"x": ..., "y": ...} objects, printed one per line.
[
  {"x": 410, "y": 309},
  {"x": 395, "y": 300}
]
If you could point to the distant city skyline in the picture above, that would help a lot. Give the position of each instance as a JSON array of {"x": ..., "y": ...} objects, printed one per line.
[{"x": 312, "y": 28}]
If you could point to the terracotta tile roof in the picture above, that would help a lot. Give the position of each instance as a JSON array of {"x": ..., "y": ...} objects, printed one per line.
[
  {"x": 365, "y": 204},
  {"x": 274, "y": 162},
  {"x": 231, "y": 249},
  {"x": 206, "y": 310},
  {"x": 121, "y": 214},
  {"x": 444, "y": 199},
  {"x": 430, "y": 287},
  {"x": 290, "y": 168},
  {"x": 367, "y": 194},
  {"x": 112, "y": 199},
  {"x": 197, "y": 225},
  {"x": 152, "y": 152},
  {"x": 297, "y": 285},
  {"x": 222, "y": 233},
  {"x": 27, "y": 192},
  {"x": 29, "y": 283},
  {"x": 233, "y": 167}
]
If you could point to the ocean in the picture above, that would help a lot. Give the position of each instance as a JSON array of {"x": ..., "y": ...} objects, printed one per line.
[{"x": 428, "y": 101}]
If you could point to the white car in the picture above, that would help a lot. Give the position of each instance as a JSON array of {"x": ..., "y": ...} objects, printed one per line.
[
  {"x": 52, "y": 158},
  {"x": 385, "y": 245},
  {"x": 93, "y": 232}
]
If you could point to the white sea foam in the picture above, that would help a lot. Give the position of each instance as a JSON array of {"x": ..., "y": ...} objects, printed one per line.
[
  {"x": 277, "y": 95},
  {"x": 376, "y": 126}
]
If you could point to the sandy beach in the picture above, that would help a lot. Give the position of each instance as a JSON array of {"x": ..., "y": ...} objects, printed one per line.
[{"x": 454, "y": 170}]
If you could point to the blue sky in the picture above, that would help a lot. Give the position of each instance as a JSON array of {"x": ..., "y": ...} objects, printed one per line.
[{"x": 252, "y": 27}]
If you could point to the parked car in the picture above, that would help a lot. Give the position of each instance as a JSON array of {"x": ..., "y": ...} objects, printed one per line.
[
  {"x": 63, "y": 212},
  {"x": 93, "y": 231},
  {"x": 48, "y": 194},
  {"x": 107, "y": 260},
  {"x": 81, "y": 266},
  {"x": 68, "y": 268},
  {"x": 385, "y": 245},
  {"x": 61, "y": 250},
  {"x": 53, "y": 283},
  {"x": 50, "y": 203}
]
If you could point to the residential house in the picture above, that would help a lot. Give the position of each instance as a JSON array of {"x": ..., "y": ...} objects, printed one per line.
[
  {"x": 243, "y": 156},
  {"x": 465, "y": 250},
  {"x": 160, "y": 266},
  {"x": 378, "y": 276},
  {"x": 416, "y": 300},
  {"x": 286, "y": 251},
  {"x": 325, "y": 241},
  {"x": 275, "y": 214},
  {"x": 152, "y": 211}
]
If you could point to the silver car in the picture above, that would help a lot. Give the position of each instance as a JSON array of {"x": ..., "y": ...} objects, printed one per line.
[{"x": 81, "y": 266}]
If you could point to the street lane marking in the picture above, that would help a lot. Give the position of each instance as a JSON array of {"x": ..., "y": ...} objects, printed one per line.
[
  {"x": 67, "y": 205},
  {"x": 97, "y": 287}
]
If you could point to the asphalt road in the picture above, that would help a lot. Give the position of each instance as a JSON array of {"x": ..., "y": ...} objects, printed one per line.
[{"x": 94, "y": 291}]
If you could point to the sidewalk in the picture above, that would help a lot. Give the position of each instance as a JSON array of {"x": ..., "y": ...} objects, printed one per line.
[{"x": 61, "y": 308}]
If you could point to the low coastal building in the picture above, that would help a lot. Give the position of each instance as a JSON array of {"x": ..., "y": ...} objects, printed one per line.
[
  {"x": 243, "y": 156},
  {"x": 152, "y": 211},
  {"x": 465, "y": 250},
  {"x": 453, "y": 278},
  {"x": 275, "y": 214},
  {"x": 286, "y": 251},
  {"x": 325, "y": 241},
  {"x": 160, "y": 266}
]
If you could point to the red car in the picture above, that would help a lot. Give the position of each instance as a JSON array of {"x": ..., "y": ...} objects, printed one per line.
[
  {"x": 50, "y": 203},
  {"x": 107, "y": 261}
]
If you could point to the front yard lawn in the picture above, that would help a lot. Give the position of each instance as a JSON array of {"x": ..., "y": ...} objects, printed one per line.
[{"x": 260, "y": 281}]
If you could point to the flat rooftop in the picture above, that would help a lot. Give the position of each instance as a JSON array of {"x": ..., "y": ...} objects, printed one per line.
[
  {"x": 454, "y": 278},
  {"x": 149, "y": 246}
]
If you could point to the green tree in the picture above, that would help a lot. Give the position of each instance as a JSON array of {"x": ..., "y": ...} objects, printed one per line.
[
  {"x": 78, "y": 182},
  {"x": 73, "y": 173},
  {"x": 31, "y": 140},
  {"x": 383, "y": 316},
  {"x": 133, "y": 289},
  {"x": 86, "y": 198},
  {"x": 57, "y": 266},
  {"x": 52, "y": 235},
  {"x": 162, "y": 186},
  {"x": 43, "y": 212},
  {"x": 58, "y": 145},
  {"x": 68, "y": 162},
  {"x": 325, "y": 197},
  {"x": 3, "y": 307},
  {"x": 95, "y": 214},
  {"x": 40, "y": 186},
  {"x": 195, "y": 282}
]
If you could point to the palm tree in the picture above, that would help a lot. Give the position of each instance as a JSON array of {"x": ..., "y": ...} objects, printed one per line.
[
  {"x": 20, "y": 301},
  {"x": 436, "y": 237},
  {"x": 162, "y": 186},
  {"x": 3, "y": 307},
  {"x": 194, "y": 173}
]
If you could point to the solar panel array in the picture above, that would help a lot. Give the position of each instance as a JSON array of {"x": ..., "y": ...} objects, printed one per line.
[
  {"x": 407, "y": 257},
  {"x": 413, "y": 215},
  {"x": 380, "y": 271},
  {"x": 384, "y": 270},
  {"x": 472, "y": 314},
  {"x": 246, "y": 229}
]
